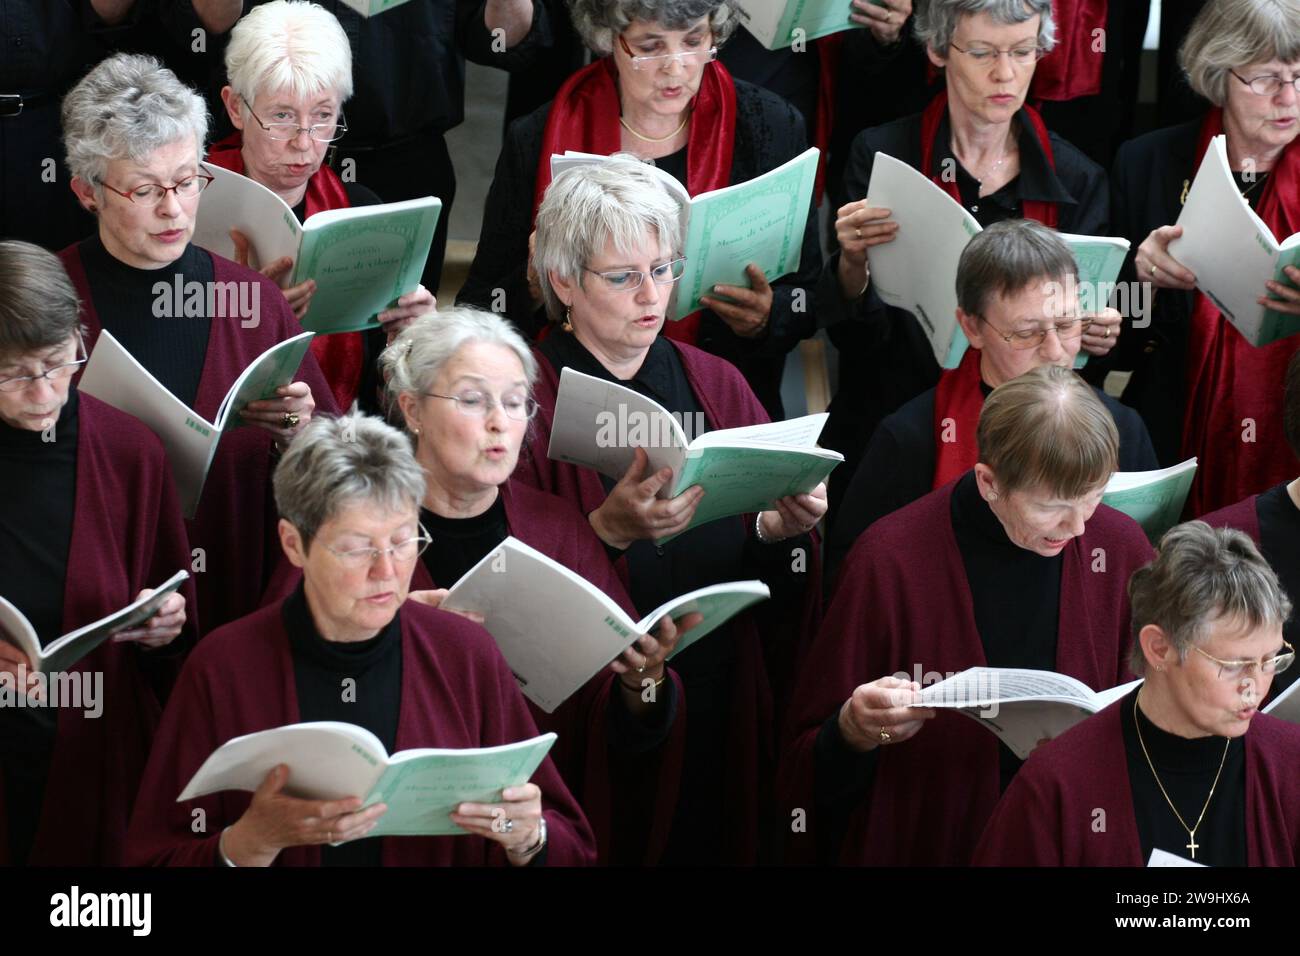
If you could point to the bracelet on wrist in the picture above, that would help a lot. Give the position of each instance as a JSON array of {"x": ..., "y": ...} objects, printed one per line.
[{"x": 758, "y": 531}]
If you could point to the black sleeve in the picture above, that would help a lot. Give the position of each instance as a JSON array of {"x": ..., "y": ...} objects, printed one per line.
[
  {"x": 498, "y": 276},
  {"x": 1136, "y": 452},
  {"x": 475, "y": 40},
  {"x": 1087, "y": 182},
  {"x": 636, "y": 735},
  {"x": 359, "y": 195},
  {"x": 842, "y": 779}
]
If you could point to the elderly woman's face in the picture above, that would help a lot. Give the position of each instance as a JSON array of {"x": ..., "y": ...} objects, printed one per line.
[
  {"x": 1038, "y": 307},
  {"x": 665, "y": 85},
  {"x": 1269, "y": 121},
  {"x": 284, "y": 165},
  {"x": 612, "y": 320},
  {"x": 351, "y": 599},
  {"x": 464, "y": 445},
  {"x": 1037, "y": 519},
  {"x": 149, "y": 237},
  {"x": 37, "y": 406},
  {"x": 1223, "y": 706},
  {"x": 990, "y": 85}
]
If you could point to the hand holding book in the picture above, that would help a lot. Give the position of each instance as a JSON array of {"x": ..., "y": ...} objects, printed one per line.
[
  {"x": 858, "y": 227},
  {"x": 633, "y": 511},
  {"x": 882, "y": 712},
  {"x": 278, "y": 271}
]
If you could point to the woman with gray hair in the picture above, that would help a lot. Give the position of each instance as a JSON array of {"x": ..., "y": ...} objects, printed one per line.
[
  {"x": 462, "y": 380},
  {"x": 608, "y": 241},
  {"x": 1195, "y": 377},
  {"x": 1185, "y": 765},
  {"x": 348, "y": 491},
  {"x": 656, "y": 91},
  {"x": 89, "y": 521},
  {"x": 981, "y": 143},
  {"x": 290, "y": 69},
  {"x": 1014, "y": 564},
  {"x": 134, "y": 136}
]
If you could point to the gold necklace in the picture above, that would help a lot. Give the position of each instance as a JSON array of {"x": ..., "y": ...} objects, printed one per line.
[
  {"x": 649, "y": 139},
  {"x": 1191, "y": 831}
]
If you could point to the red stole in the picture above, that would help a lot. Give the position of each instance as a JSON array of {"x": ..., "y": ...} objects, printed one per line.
[
  {"x": 1044, "y": 212},
  {"x": 828, "y": 65},
  {"x": 957, "y": 399},
  {"x": 1229, "y": 381},
  {"x": 584, "y": 117},
  {"x": 341, "y": 355},
  {"x": 1073, "y": 68}
]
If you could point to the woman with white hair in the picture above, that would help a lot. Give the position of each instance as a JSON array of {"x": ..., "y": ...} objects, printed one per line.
[
  {"x": 348, "y": 491},
  {"x": 1196, "y": 380},
  {"x": 658, "y": 92},
  {"x": 1186, "y": 764},
  {"x": 608, "y": 252},
  {"x": 134, "y": 137},
  {"x": 462, "y": 380},
  {"x": 290, "y": 70},
  {"x": 986, "y": 147},
  {"x": 89, "y": 520}
]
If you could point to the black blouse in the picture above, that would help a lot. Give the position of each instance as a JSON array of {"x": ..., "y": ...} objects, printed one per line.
[{"x": 1279, "y": 542}]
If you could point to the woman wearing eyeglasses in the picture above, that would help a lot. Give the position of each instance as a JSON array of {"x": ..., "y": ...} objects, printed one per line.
[
  {"x": 290, "y": 70},
  {"x": 349, "y": 493},
  {"x": 1185, "y": 764},
  {"x": 657, "y": 92},
  {"x": 1016, "y": 563},
  {"x": 134, "y": 136},
  {"x": 89, "y": 521},
  {"x": 607, "y": 256},
  {"x": 463, "y": 380},
  {"x": 982, "y": 144},
  {"x": 1012, "y": 281},
  {"x": 1196, "y": 380},
  {"x": 1272, "y": 518}
]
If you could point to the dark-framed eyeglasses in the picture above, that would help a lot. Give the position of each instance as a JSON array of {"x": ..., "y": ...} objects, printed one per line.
[
  {"x": 1269, "y": 84},
  {"x": 408, "y": 550},
  {"x": 1231, "y": 670},
  {"x": 478, "y": 404},
  {"x": 1020, "y": 339},
  {"x": 285, "y": 132},
  {"x": 66, "y": 370},
  {"x": 986, "y": 55},
  {"x": 629, "y": 280},
  {"x": 151, "y": 194},
  {"x": 659, "y": 61}
]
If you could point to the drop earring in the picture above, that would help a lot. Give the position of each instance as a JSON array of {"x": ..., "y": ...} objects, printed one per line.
[{"x": 568, "y": 320}]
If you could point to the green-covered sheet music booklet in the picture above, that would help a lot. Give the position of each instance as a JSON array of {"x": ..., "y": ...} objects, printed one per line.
[
  {"x": 761, "y": 220},
  {"x": 329, "y": 760},
  {"x": 368, "y": 8},
  {"x": 557, "y": 630},
  {"x": 778, "y": 24},
  {"x": 598, "y": 424},
  {"x": 362, "y": 258},
  {"x": 1154, "y": 499},
  {"x": 114, "y": 376}
]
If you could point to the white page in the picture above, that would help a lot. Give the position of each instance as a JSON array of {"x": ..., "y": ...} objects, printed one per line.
[
  {"x": 237, "y": 202},
  {"x": 368, "y": 8},
  {"x": 762, "y": 18},
  {"x": 327, "y": 760},
  {"x": 114, "y": 376},
  {"x": 718, "y": 603},
  {"x": 589, "y": 410},
  {"x": 918, "y": 270},
  {"x": 1023, "y": 724},
  {"x": 1225, "y": 244},
  {"x": 555, "y": 629},
  {"x": 986, "y": 685},
  {"x": 800, "y": 432},
  {"x": 1286, "y": 705},
  {"x": 1128, "y": 480},
  {"x": 1160, "y": 857}
]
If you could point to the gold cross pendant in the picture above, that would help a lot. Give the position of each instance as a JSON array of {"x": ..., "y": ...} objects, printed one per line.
[{"x": 1193, "y": 845}]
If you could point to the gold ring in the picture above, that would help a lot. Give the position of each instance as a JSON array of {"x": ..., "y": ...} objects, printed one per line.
[
  {"x": 290, "y": 420},
  {"x": 884, "y": 736},
  {"x": 1153, "y": 268},
  {"x": 857, "y": 233}
]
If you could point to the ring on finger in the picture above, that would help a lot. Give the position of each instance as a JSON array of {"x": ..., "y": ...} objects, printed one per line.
[
  {"x": 857, "y": 233},
  {"x": 884, "y": 736},
  {"x": 290, "y": 420}
]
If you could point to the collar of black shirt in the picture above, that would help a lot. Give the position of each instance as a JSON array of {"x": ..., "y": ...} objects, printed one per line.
[
  {"x": 1037, "y": 180},
  {"x": 655, "y": 377},
  {"x": 346, "y": 657}
]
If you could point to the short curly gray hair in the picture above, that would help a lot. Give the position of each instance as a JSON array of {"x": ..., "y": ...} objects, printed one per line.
[
  {"x": 599, "y": 21},
  {"x": 126, "y": 108},
  {"x": 1230, "y": 34},
  {"x": 1202, "y": 575},
  {"x": 335, "y": 462},
  {"x": 587, "y": 206},
  {"x": 936, "y": 20},
  {"x": 413, "y": 361}
]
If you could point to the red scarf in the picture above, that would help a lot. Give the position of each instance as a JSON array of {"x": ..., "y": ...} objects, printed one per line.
[
  {"x": 341, "y": 355},
  {"x": 1044, "y": 212},
  {"x": 584, "y": 117},
  {"x": 1073, "y": 68},
  {"x": 1229, "y": 380},
  {"x": 958, "y": 400}
]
